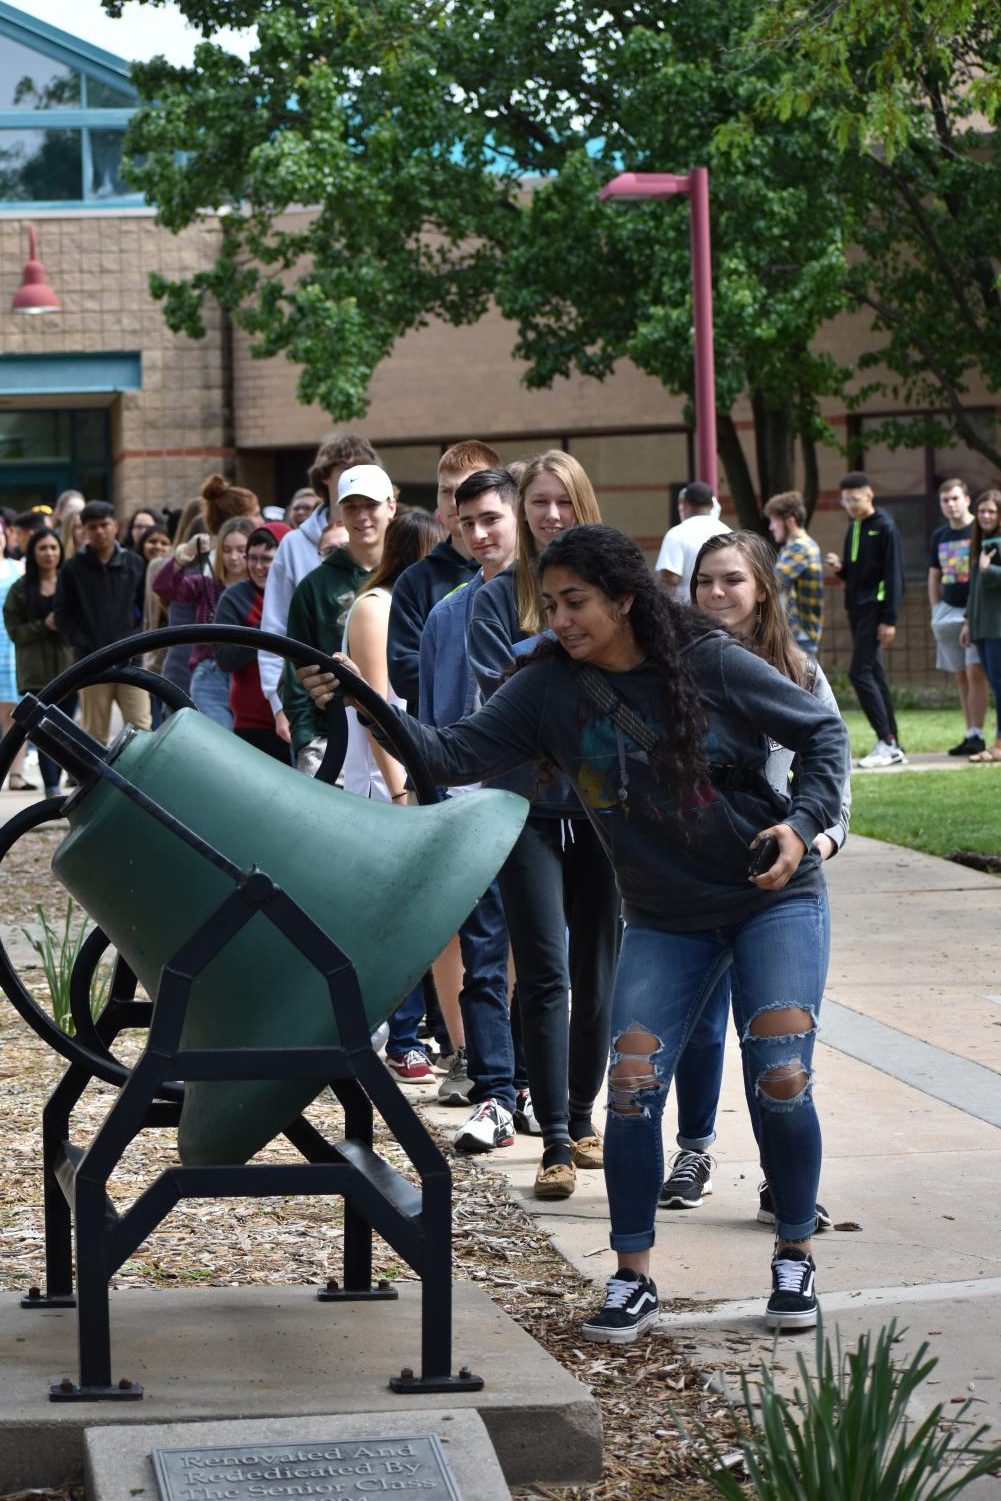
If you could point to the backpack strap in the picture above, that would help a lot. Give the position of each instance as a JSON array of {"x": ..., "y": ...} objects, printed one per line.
[{"x": 600, "y": 691}]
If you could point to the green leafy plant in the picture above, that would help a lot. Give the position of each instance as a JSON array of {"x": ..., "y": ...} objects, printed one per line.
[
  {"x": 845, "y": 1431},
  {"x": 59, "y": 949}
]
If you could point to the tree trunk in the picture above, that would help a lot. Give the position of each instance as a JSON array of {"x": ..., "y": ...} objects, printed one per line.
[
  {"x": 738, "y": 475},
  {"x": 773, "y": 432}
]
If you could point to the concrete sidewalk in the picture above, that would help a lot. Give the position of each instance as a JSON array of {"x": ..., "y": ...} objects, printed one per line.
[{"x": 909, "y": 1089}]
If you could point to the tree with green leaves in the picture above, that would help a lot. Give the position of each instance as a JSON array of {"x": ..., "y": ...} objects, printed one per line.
[
  {"x": 914, "y": 93},
  {"x": 453, "y": 154}
]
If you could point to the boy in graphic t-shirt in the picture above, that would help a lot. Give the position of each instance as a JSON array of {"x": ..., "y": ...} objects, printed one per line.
[{"x": 948, "y": 590}]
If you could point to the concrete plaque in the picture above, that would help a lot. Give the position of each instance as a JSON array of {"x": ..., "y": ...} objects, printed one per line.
[{"x": 320, "y": 1469}]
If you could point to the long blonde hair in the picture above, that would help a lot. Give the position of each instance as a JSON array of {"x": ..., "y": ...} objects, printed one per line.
[{"x": 575, "y": 482}]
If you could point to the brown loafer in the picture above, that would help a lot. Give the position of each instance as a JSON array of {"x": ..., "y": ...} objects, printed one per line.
[
  {"x": 588, "y": 1152},
  {"x": 557, "y": 1182}
]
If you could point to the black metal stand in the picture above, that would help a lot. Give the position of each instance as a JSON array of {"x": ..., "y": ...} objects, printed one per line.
[
  {"x": 415, "y": 1222},
  {"x": 79, "y": 1215}
]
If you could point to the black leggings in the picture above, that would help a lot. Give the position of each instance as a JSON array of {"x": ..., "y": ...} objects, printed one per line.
[
  {"x": 268, "y": 741},
  {"x": 558, "y": 877}
]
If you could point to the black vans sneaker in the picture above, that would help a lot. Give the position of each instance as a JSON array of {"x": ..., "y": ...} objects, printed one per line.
[
  {"x": 793, "y": 1303},
  {"x": 631, "y": 1305}
]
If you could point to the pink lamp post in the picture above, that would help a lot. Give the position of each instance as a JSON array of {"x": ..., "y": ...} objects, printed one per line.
[{"x": 641, "y": 185}]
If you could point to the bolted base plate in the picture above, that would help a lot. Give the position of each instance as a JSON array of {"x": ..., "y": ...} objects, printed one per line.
[
  {"x": 405, "y": 1385},
  {"x": 334, "y": 1294},
  {"x": 123, "y": 1391},
  {"x": 35, "y": 1299}
]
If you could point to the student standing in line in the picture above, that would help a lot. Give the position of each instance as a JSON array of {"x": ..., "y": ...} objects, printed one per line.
[
  {"x": 319, "y": 608},
  {"x": 983, "y": 609},
  {"x": 40, "y": 652},
  {"x": 872, "y": 570},
  {"x": 370, "y": 770},
  {"x": 241, "y": 604},
  {"x": 203, "y": 586},
  {"x": 557, "y": 879},
  {"x": 98, "y": 601},
  {"x": 662, "y": 725},
  {"x": 734, "y": 586},
  {"x": 699, "y": 512},
  {"x": 11, "y": 574},
  {"x": 482, "y": 1072},
  {"x": 298, "y": 554},
  {"x": 948, "y": 595},
  {"x": 445, "y": 568},
  {"x": 798, "y": 568}
]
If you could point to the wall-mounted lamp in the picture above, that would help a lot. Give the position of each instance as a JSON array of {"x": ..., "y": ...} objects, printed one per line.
[{"x": 34, "y": 294}]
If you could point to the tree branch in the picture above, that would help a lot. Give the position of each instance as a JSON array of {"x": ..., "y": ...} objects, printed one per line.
[{"x": 962, "y": 425}]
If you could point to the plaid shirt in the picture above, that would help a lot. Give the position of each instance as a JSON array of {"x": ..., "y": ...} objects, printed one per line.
[{"x": 801, "y": 574}]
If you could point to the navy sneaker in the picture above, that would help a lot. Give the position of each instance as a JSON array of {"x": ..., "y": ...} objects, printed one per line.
[
  {"x": 766, "y": 1210},
  {"x": 631, "y": 1305},
  {"x": 689, "y": 1181},
  {"x": 793, "y": 1303}
]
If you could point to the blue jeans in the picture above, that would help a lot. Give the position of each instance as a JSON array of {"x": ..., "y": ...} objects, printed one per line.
[
  {"x": 698, "y": 1075},
  {"x": 776, "y": 958},
  {"x": 989, "y": 652},
  {"x": 404, "y": 1022},
  {"x": 210, "y": 692},
  {"x": 486, "y": 1019}
]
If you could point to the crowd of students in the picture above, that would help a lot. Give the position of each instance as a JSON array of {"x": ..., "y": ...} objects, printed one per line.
[
  {"x": 681, "y": 750},
  {"x": 645, "y": 739}
]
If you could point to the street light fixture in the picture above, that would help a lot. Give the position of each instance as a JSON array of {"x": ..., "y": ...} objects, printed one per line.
[
  {"x": 643, "y": 185},
  {"x": 34, "y": 294}
]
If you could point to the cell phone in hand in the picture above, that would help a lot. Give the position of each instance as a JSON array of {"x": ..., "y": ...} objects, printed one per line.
[{"x": 763, "y": 856}]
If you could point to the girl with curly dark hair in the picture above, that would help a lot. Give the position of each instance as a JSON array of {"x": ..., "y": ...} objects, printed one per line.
[{"x": 662, "y": 724}]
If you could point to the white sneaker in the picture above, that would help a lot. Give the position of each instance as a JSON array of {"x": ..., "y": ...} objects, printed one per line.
[
  {"x": 489, "y": 1126},
  {"x": 882, "y": 754}
]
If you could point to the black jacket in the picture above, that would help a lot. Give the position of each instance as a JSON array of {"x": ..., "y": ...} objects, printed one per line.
[
  {"x": 417, "y": 590},
  {"x": 872, "y": 566},
  {"x": 99, "y": 603}
]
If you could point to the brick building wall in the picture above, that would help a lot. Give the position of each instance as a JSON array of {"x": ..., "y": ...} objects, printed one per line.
[{"x": 168, "y": 435}]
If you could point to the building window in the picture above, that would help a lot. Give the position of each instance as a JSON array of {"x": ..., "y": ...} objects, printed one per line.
[
  {"x": 29, "y": 80},
  {"x": 62, "y": 127}
]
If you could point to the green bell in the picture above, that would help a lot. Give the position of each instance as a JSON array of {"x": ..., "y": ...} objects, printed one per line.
[{"x": 389, "y": 886}]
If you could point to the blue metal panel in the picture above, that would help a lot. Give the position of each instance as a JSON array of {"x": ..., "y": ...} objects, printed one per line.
[
  {"x": 67, "y": 49},
  {"x": 65, "y": 374},
  {"x": 64, "y": 119}
]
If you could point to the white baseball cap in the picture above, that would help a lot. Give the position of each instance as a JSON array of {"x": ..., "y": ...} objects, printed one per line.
[{"x": 367, "y": 480}]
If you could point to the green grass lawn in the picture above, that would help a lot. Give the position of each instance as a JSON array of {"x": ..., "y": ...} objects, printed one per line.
[{"x": 934, "y": 811}]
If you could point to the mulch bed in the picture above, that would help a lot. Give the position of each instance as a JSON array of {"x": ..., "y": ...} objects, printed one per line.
[{"x": 275, "y": 1241}]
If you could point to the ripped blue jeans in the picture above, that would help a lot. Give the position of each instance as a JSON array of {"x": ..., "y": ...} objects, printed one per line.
[{"x": 776, "y": 960}]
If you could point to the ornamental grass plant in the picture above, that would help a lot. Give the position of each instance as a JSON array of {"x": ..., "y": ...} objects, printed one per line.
[
  {"x": 58, "y": 948},
  {"x": 846, "y": 1432}
]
